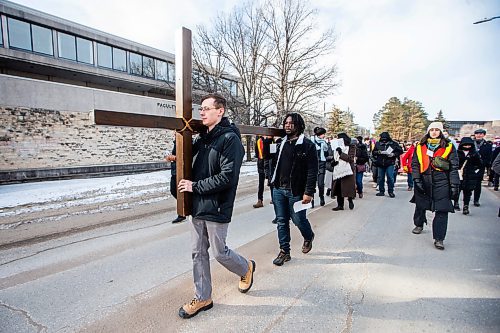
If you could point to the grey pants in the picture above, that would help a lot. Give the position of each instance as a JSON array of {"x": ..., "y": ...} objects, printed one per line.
[{"x": 203, "y": 234}]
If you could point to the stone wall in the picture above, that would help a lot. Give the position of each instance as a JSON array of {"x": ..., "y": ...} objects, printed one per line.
[{"x": 39, "y": 138}]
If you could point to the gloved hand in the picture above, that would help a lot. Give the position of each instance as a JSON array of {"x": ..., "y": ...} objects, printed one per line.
[
  {"x": 390, "y": 155},
  {"x": 419, "y": 185},
  {"x": 334, "y": 163},
  {"x": 339, "y": 150},
  {"x": 455, "y": 192}
]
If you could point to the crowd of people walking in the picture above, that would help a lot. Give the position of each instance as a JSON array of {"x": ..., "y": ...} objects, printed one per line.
[{"x": 438, "y": 169}]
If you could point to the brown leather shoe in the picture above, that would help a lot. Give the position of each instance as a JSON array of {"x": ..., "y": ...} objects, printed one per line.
[
  {"x": 192, "y": 308},
  {"x": 308, "y": 244},
  {"x": 259, "y": 204},
  {"x": 246, "y": 280}
]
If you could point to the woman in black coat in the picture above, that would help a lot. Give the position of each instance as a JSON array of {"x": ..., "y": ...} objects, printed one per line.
[
  {"x": 469, "y": 164},
  {"x": 435, "y": 173}
]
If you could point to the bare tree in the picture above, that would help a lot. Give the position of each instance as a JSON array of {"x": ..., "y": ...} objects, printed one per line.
[
  {"x": 297, "y": 78},
  {"x": 236, "y": 43}
]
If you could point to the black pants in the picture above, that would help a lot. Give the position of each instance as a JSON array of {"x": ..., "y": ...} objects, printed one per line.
[
  {"x": 264, "y": 170},
  {"x": 321, "y": 178},
  {"x": 439, "y": 224},
  {"x": 493, "y": 178},
  {"x": 173, "y": 186},
  {"x": 477, "y": 189},
  {"x": 467, "y": 196},
  {"x": 262, "y": 179}
]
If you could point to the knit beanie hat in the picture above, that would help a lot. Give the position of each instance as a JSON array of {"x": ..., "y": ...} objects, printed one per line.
[{"x": 436, "y": 124}]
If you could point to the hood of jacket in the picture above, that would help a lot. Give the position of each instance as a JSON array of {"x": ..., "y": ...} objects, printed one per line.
[
  {"x": 385, "y": 137},
  {"x": 467, "y": 141}
]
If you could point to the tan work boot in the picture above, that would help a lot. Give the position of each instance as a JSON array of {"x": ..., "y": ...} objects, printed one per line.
[
  {"x": 258, "y": 204},
  {"x": 192, "y": 308},
  {"x": 246, "y": 280}
]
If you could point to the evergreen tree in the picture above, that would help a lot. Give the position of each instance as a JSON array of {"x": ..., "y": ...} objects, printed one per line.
[
  {"x": 440, "y": 117},
  {"x": 336, "y": 122},
  {"x": 416, "y": 119},
  {"x": 404, "y": 121},
  {"x": 341, "y": 121}
]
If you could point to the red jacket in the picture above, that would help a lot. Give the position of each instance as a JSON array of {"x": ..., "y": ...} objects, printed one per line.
[{"x": 406, "y": 159}]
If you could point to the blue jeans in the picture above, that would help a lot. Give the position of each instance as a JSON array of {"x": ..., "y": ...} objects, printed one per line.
[
  {"x": 359, "y": 181},
  {"x": 283, "y": 201},
  {"x": 410, "y": 180},
  {"x": 389, "y": 172}
]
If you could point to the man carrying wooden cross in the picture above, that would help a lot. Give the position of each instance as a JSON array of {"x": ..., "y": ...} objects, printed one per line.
[{"x": 217, "y": 158}]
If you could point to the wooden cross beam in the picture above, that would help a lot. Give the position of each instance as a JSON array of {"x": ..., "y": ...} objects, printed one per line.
[{"x": 182, "y": 123}]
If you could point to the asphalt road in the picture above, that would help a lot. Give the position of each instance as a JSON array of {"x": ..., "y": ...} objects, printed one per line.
[{"x": 366, "y": 273}]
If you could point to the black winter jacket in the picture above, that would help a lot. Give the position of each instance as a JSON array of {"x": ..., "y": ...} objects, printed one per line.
[
  {"x": 217, "y": 159},
  {"x": 361, "y": 154},
  {"x": 382, "y": 160},
  {"x": 485, "y": 150},
  {"x": 437, "y": 184},
  {"x": 304, "y": 172},
  {"x": 470, "y": 172}
]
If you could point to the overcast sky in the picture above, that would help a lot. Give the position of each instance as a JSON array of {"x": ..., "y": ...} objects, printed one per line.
[{"x": 426, "y": 50}]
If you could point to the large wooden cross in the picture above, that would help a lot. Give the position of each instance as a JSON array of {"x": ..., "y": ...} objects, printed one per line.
[{"x": 183, "y": 123}]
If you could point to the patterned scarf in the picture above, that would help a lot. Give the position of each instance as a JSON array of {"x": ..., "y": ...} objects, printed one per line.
[{"x": 432, "y": 144}]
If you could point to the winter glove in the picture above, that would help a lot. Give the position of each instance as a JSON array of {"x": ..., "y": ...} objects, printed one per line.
[
  {"x": 339, "y": 150},
  {"x": 455, "y": 192},
  {"x": 334, "y": 163},
  {"x": 419, "y": 185}
]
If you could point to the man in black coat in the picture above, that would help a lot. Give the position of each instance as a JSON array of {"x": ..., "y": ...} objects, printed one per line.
[
  {"x": 385, "y": 153},
  {"x": 218, "y": 155},
  {"x": 294, "y": 179},
  {"x": 484, "y": 149}
]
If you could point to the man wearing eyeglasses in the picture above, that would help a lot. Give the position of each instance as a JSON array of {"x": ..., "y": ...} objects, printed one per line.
[{"x": 217, "y": 157}]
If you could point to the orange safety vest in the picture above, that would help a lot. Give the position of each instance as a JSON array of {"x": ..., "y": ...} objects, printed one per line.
[
  {"x": 260, "y": 148},
  {"x": 424, "y": 159}
]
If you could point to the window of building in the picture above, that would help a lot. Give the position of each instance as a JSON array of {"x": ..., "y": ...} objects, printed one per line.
[
  {"x": 1, "y": 33},
  {"x": 119, "y": 59},
  {"x": 231, "y": 86},
  {"x": 234, "y": 89},
  {"x": 42, "y": 40},
  {"x": 135, "y": 63},
  {"x": 171, "y": 72},
  {"x": 148, "y": 66},
  {"x": 84, "y": 51},
  {"x": 19, "y": 34},
  {"x": 161, "y": 70},
  {"x": 104, "y": 56},
  {"x": 66, "y": 46}
]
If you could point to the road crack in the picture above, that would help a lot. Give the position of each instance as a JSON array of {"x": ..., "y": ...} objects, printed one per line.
[{"x": 39, "y": 327}]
